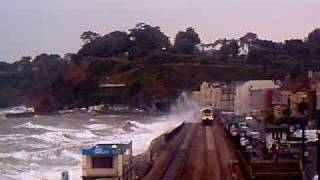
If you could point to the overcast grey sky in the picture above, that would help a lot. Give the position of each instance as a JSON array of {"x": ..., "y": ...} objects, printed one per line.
[{"x": 30, "y": 27}]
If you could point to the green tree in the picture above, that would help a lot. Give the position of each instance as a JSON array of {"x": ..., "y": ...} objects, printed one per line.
[
  {"x": 186, "y": 41},
  {"x": 296, "y": 48},
  {"x": 89, "y": 36},
  {"x": 25, "y": 60},
  {"x": 314, "y": 42},
  {"x": 229, "y": 48},
  {"x": 112, "y": 44},
  {"x": 146, "y": 38}
]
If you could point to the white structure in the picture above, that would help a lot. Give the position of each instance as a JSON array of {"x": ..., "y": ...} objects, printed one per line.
[
  {"x": 276, "y": 135},
  {"x": 218, "y": 95},
  {"x": 250, "y": 95}
]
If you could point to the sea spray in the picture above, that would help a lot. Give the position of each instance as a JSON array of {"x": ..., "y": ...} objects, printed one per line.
[{"x": 61, "y": 143}]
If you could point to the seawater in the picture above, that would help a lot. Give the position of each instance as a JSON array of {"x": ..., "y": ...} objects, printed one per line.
[{"x": 41, "y": 147}]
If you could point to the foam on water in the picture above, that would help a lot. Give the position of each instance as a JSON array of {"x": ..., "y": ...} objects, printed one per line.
[
  {"x": 97, "y": 126},
  {"x": 30, "y": 125},
  {"x": 11, "y": 137},
  {"x": 63, "y": 146},
  {"x": 92, "y": 120},
  {"x": 20, "y": 155}
]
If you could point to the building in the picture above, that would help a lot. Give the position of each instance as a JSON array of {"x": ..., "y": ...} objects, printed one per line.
[
  {"x": 110, "y": 161},
  {"x": 251, "y": 95},
  {"x": 113, "y": 90},
  {"x": 218, "y": 95},
  {"x": 276, "y": 135},
  {"x": 290, "y": 94},
  {"x": 227, "y": 97}
]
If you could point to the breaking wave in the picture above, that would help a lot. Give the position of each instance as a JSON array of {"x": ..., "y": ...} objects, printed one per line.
[
  {"x": 29, "y": 125},
  {"x": 97, "y": 126},
  {"x": 57, "y": 148}
]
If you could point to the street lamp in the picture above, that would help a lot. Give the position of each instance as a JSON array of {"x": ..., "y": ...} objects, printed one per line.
[{"x": 302, "y": 109}]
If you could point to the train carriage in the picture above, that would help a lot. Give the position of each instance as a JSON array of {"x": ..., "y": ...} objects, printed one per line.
[{"x": 207, "y": 116}]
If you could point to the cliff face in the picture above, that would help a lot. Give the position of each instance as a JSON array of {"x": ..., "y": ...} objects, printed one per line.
[
  {"x": 78, "y": 84},
  {"x": 146, "y": 84},
  {"x": 168, "y": 81}
]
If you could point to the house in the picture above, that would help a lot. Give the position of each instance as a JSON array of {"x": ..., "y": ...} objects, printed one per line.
[
  {"x": 228, "y": 92},
  {"x": 290, "y": 94},
  {"x": 218, "y": 95},
  {"x": 276, "y": 135},
  {"x": 251, "y": 95},
  {"x": 113, "y": 90},
  {"x": 112, "y": 161}
]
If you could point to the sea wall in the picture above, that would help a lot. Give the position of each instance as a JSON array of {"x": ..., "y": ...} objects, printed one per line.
[{"x": 142, "y": 163}]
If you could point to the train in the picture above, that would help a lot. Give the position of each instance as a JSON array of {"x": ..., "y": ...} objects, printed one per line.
[{"x": 207, "y": 116}]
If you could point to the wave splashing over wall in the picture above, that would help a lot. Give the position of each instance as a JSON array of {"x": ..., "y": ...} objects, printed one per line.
[{"x": 43, "y": 147}]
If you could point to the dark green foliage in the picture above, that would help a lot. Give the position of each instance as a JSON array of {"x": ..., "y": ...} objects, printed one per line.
[
  {"x": 186, "y": 41},
  {"x": 296, "y": 48},
  {"x": 112, "y": 44},
  {"x": 230, "y": 48},
  {"x": 146, "y": 38},
  {"x": 26, "y": 77},
  {"x": 100, "y": 67},
  {"x": 159, "y": 70},
  {"x": 89, "y": 36}
]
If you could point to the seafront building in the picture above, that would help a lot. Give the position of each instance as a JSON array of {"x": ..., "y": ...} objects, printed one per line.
[
  {"x": 251, "y": 96},
  {"x": 107, "y": 161},
  {"x": 238, "y": 97},
  {"x": 218, "y": 95}
]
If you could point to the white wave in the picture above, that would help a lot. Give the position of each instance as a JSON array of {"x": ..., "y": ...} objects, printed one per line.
[
  {"x": 50, "y": 174},
  {"x": 97, "y": 126},
  {"x": 69, "y": 154},
  {"x": 85, "y": 135},
  {"x": 92, "y": 120},
  {"x": 11, "y": 137},
  {"x": 22, "y": 155},
  {"x": 112, "y": 116},
  {"x": 38, "y": 126}
]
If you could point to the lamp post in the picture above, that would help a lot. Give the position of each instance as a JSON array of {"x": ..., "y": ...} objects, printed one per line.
[
  {"x": 302, "y": 109},
  {"x": 318, "y": 144},
  {"x": 318, "y": 126}
]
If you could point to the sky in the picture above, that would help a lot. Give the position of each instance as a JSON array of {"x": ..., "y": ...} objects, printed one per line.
[{"x": 31, "y": 27}]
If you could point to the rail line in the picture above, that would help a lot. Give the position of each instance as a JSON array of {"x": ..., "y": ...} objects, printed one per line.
[{"x": 198, "y": 152}]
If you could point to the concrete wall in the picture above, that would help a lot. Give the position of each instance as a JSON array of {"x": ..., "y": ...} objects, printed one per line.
[{"x": 244, "y": 92}]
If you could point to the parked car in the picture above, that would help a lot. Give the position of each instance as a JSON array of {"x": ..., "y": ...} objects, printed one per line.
[
  {"x": 244, "y": 141},
  {"x": 311, "y": 135},
  {"x": 243, "y": 126},
  {"x": 254, "y": 135}
]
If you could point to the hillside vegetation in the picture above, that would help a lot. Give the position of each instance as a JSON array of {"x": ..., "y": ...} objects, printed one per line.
[{"x": 153, "y": 69}]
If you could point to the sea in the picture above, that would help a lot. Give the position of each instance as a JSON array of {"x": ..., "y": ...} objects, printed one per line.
[{"x": 41, "y": 147}]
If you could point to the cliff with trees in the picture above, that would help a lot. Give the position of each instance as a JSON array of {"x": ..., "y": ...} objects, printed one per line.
[{"x": 152, "y": 66}]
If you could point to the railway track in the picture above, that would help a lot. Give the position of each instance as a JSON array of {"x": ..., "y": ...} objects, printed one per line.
[{"x": 198, "y": 152}]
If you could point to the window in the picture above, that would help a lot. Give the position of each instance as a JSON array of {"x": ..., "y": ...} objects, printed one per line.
[{"x": 102, "y": 162}]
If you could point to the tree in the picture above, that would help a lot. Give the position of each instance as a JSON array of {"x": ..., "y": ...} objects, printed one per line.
[
  {"x": 89, "y": 36},
  {"x": 186, "y": 41},
  {"x": 314, "y": 36},
  {"x": 248, "y": 38},
  {"x": 25, "y": 60},
  {"x": 112, "y": 44},
  {"x": 314, "y": 42},
  {"x": 230, "y": 48},
  {"x": 146, "y": 38},
  {"x": 296, "y": 48}
]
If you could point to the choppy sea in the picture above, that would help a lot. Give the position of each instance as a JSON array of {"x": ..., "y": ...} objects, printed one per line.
[{"x": 41, "y": 147}]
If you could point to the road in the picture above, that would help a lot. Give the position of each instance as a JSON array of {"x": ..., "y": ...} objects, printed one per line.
[{"x": 199, "y": 153}]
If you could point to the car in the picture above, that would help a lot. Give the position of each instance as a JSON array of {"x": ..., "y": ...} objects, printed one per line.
[
  {"x": 244, "y": 141},
  {"x": 254, "y": 135},
  {"x": 243, "y": 126},
  {"x": 249, "y": 118},
  {"x": 311, "y": 135}
]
